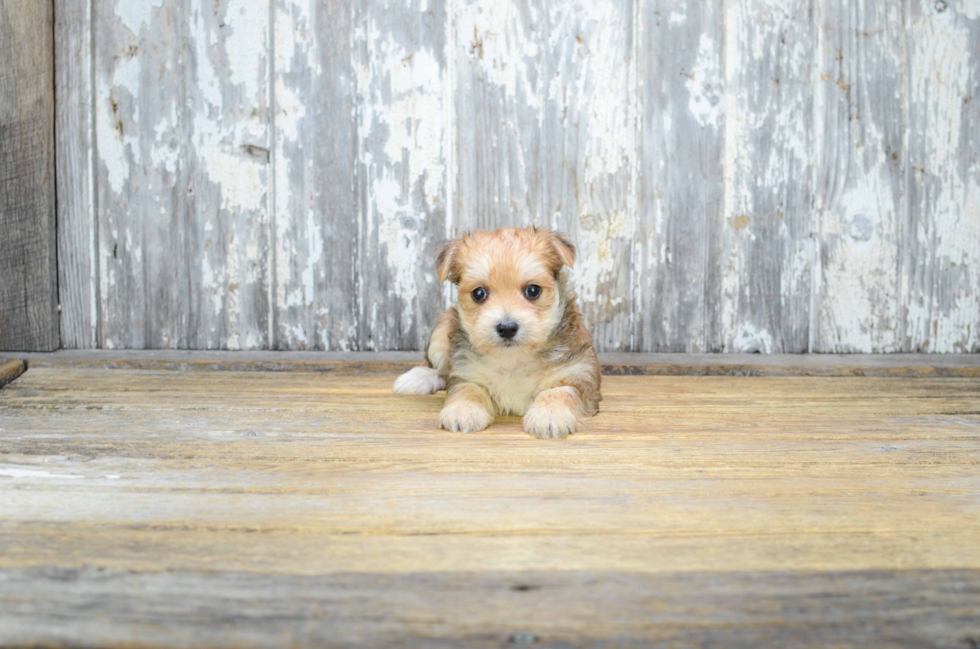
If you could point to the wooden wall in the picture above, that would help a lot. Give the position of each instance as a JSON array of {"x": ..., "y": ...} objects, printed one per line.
[
  {"x": 28, "y": 283},
  {"x": 754, "y": 175}
]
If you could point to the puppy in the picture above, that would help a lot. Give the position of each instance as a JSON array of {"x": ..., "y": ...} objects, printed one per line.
[{"x": 515, "y": 344}]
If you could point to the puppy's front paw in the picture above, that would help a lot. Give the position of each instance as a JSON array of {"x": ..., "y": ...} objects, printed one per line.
[
  {"x": 464, "y": 416},
  {"x": 550, "y": 421},
  {"x": 419, "y": 380}
]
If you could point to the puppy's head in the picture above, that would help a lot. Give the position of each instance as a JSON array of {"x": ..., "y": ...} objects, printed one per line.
[{"x": 509, "y": 289}]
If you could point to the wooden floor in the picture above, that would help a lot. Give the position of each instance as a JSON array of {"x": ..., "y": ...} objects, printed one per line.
[{"x": 160, "y": 507}]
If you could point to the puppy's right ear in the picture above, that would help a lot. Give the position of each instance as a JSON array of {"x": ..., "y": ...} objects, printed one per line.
[{"x": 446, "y": 262}]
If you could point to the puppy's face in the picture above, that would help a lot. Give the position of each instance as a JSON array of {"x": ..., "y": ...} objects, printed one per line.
[{"x": 508, "y": 293}]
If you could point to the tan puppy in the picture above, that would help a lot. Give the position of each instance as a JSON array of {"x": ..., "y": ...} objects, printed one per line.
[{"x": 515, "y": 344}]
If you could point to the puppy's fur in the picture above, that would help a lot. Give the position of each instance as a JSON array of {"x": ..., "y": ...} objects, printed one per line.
[{"x": 546, "y": 372}]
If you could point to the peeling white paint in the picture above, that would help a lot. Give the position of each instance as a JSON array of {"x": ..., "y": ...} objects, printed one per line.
[
  {"x": 944, "y": 315},
  {"x": 119, "y": 147},
  {"x": 135, "y": 14},
  {"x": 403, "y": 109},
  {"x": 968, "y": 8},
  {"x": 557, "y": 82},
  {"x": 749, "y": 339},
  {"x": 704, "y": 85},
  {"x": 492, "y": 35},
  {"x": 247, "y": 21}
]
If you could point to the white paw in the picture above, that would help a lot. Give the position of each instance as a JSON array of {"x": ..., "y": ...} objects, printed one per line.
[
  {"x": 550, "y": 422},
  {"x": 419, "y": 380},
  {"x": 463, "y": 416}
]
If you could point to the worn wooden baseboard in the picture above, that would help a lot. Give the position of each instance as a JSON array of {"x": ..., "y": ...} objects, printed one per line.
[{"x": 613, "y": 364}]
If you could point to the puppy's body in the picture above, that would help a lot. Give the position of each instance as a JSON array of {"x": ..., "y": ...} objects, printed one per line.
[{"x": 516, "y": 351}]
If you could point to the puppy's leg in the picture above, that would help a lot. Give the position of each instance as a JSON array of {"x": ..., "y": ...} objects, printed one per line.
[
  {"x": 554, "y": 413},
  {"x": 431, "y": 377},
  {"x": 419, "y": 380},
  {"x": 468, "y": 408}
]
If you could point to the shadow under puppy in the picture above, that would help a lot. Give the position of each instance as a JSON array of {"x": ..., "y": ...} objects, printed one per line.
[{"x": 515, "y": 343}]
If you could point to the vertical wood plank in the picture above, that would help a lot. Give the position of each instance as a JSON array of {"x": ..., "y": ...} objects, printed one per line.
[
  {"x": 546, "y": 121},
  {"x": 860, "y": 123},
  {"x": 182, "y": 139},
  {"x": 226, "y": 116},
  {"x": 28, "y": 246},
  {"x": 765, "y": 229},
  {"x": 942, "y": 253},
  {"x": 139, "y": 133},
  {"x": 500, "y": 86},
  {"x": 404, "y": 134},
  {"x": 315, "y": 147},
  {"x": 681, "y": 188},
  {"x": 75, "y": 155}
]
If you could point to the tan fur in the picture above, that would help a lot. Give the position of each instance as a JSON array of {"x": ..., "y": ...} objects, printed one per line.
[{"x": 549, "y": 372}]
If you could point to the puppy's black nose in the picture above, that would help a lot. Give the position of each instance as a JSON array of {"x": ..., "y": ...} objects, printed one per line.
[{"x": 507, "y": 330}]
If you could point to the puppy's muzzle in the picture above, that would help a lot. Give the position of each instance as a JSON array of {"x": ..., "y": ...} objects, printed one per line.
[{"x": 507, "y": 330}]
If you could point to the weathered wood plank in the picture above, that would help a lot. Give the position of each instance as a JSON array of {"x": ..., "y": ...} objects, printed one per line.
[
  {"x": 681, "y": 182},
  {"x": 268, "y": 508},
  {"x": 613, "y": 364},
  {"x": 546, "y": 123},
  {"x": 140, "y": 142},
  {"x": 182, "y": 140},
  {"x": 224, "y": 165},
  {"x": 28, "y": 246},
  {"x": 765, "y": 227},
  {"x": 941, "y": 268},
  {"x": 860, "y": 126},
  {"x": 895, "y": 608},
  {"x": 309, "y": 474},
  {"x": 78, "y": 276},
  {"x": 403, "y": 172},
  {"x": 316, "y": 231}
]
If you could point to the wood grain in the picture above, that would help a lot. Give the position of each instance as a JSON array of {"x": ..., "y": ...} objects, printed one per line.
[
  {"x": 860, "y": 126},
  {"x": 900, "y": 608},
  {"x": 738, "y": 177},
  {"x": 263, "y": 507},
  {"x": 225, "y": 176},
  {"x": 403, "y": 171},
  {"x": 940, "y": 269},
  {"x": 143, "y": 286},
  {"x": 681, "y": 191},
  {"x": 181, "y": 128},
  {"x": 78, "y": 274},
  {"x": 546, "y": 127},
  {"x": 28, "y": 246},
  {"x": 765, "y": 227},
  {"x": 315, "y": 298}
]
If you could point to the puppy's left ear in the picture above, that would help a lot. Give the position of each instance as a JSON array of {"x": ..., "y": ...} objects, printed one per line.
[
  {"x": 563, "y": 248},
  {"x": 446, "y": 262}
]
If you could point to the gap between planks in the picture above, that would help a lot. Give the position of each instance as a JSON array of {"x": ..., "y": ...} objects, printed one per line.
[{"x": 613, "y": 364}]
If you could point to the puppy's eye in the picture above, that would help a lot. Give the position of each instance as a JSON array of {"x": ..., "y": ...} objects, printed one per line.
[
  {"x": 532, "y": 291},
  {"x": 479, "y": 294}
]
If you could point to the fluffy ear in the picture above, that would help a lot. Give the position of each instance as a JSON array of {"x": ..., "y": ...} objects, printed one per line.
[
  {"x": 446, "y": 262},
  {"x": 563, "y": 248}
]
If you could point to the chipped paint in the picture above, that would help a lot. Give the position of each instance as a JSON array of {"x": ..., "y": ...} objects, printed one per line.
[
  {"x": 136, "y": 15},
  {"x": 401, "y": 127},
  {"x": 703, "y": 84},
  {"x": 478, "y": 113},
  {"x": 944, "y": 289}
]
